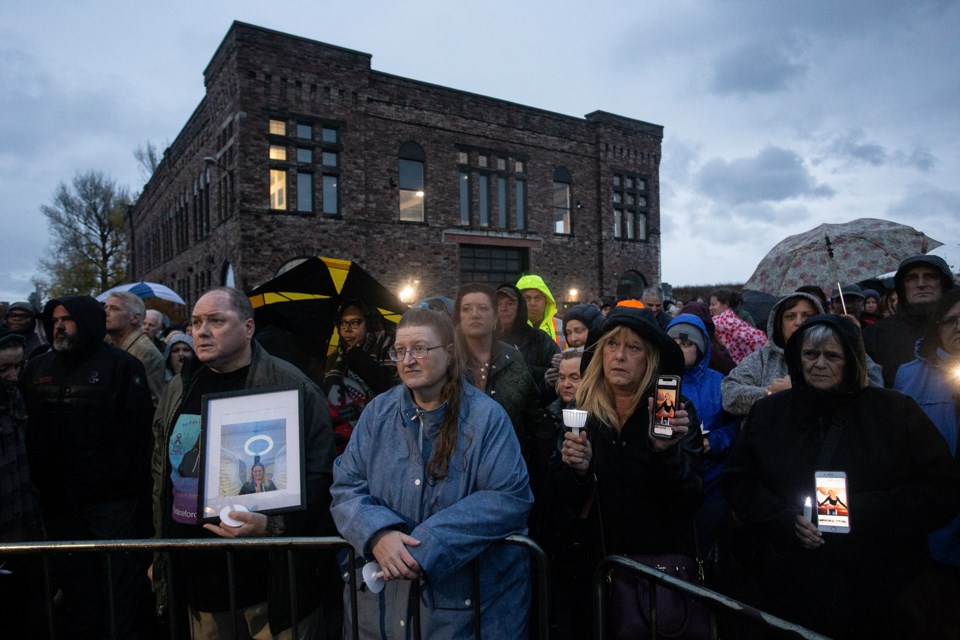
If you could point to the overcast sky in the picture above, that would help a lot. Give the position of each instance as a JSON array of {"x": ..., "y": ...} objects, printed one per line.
[{"x": 778, "y": 115}]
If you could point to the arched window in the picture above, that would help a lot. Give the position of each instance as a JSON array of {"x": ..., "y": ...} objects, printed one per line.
[
  {"x": 228, "y": 278},
  {"x": 631, "y": 285},
  {"x": 561, "y": 201},
  {"x": 410, "y": 165}
]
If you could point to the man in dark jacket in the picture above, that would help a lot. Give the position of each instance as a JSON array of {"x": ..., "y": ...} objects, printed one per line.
[
  {"x": 535, "y": 345},
  {"x": 88, "y": 440},
  {"x": 920, "y": 282},
  {"x": 22, "y": 319},
  {"x": 229, "y": 360}
]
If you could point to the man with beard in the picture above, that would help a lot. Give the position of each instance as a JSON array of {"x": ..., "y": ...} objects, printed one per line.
[
  {"x": 88, "y": 441},
  {"x": 920, "y": 282}
]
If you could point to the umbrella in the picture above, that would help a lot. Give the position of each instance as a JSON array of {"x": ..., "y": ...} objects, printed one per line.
[
  {"x": 303, "y": 301},
  {"x": 846, "y": 252},
  {"x": 144, "y": 290}
]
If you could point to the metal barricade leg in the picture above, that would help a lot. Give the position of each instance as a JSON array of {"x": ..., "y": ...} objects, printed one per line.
[
  {"x": 232, "y": 580},
  {"x": 111, "y": 596},
  {"x": 294, "y": 612}
]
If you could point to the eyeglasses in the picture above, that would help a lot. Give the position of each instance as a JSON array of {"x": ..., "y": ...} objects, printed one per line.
[
  {"x": 950, "y": 323},
  {"x": 352, "y": 324},
  {"x": 813, "y": 355},
  {"x": 418, "y": 352},
  {"x": 14, "y": 315}
]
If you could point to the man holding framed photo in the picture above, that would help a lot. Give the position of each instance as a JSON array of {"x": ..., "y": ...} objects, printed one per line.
[{"x": 229, "y": 360}]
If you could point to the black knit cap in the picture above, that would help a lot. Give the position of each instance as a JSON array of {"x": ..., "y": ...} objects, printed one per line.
[
  {"x": 588, "y": 314},
  {"x": 641, "y": 322}
]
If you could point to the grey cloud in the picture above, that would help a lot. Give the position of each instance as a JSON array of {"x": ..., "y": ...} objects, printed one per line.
[
  {"x": 918, "y": 158},
  {"x": 774, "y": 174},
  {"x": 925, "y": 202},
  {"x": 852, "y": 147},
  {"x": 756, "y": 67}
]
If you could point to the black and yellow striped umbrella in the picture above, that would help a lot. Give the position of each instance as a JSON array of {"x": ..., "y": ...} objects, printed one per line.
[{"x": 305, "y": 299}]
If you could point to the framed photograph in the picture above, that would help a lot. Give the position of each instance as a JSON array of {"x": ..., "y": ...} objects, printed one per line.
[{"x": 252, "y": 451}]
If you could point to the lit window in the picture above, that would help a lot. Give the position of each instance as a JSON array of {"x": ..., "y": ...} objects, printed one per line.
[
  {"x": 278, "y": 127},
  {"x": 278, "y": 189},
  {"x": 561, "y": 201},
  {"x": 304, "y": 156},
  {"x": 305, "y": 192},
  {"x": 277, "y": 152},
  {"x": 411, "y": 191},
  {"x": 329, "y": 135},
  {"x": 520, "y": 166},
  {"x": 304, "y": 131},
  {"x": 464, "y": 198},
  {"x": 329, "y": 159},
  {"x": 331, "y": 197}
]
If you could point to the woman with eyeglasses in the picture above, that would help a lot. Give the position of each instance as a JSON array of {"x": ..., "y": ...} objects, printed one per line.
[
  {"x": 431, "y": 478},
  {"x": 901, "y": 484},
  {"x": 360, "y": 368}
]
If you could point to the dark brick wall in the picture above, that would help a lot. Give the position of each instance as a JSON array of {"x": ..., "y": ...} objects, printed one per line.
[{"x": 258, "y": 74}]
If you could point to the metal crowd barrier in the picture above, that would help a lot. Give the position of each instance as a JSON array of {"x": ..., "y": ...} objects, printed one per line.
[
  {"x": 717, "y": 602},
  {"x": 230, "y": 546}
]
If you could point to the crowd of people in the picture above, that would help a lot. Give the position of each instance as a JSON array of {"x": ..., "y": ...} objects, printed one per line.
[{"x": 427, "y": 443}]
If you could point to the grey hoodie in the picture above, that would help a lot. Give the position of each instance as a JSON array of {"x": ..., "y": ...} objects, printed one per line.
[{"x": 749, "y": 380}]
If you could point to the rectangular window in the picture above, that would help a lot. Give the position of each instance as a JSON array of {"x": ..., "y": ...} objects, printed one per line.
[
  {"x": 304, "y": 131},
  {"x": 492, "y": 265},
  {"x": 304, "y": 156},
  {"x": 629, "y": 182},
  {"x": 561, "y": 207},
  {"x": 628, "y": 223},
  {"x": 641, "y": 184},
  {"x": 617, "y": 197},
  {"x": 411, "y": 191},
  {"x": 331, "y": 196},
  {"x": 329, "y": 159},
  {"x": 483, "y": 186},
  {"x": 329, "y": 135},
  {"x": 521, "y": 189},
  {"x": 277, "y": 152},
  {"x": 520, "y": 166},
  {"x": 501, "y": 164},
  {"x": 617, "y": 181},
  {"x": 464, "y": 198},
  {"x": 641, "y": 226},
  {"x": 278, "y": 189},
  {"x": 502, "y": 203},
  {"x": 305, "y": 192},
  {"x": 482, "y": 160},
  {"x": 617, "y": 223},
  {"x": 278, "y": 127},
  {"x": 631, "y": 199},
  {"x": 463, "y": 157}
]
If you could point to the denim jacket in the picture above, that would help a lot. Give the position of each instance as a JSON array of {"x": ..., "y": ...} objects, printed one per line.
[{"x": 380, "y": 482}]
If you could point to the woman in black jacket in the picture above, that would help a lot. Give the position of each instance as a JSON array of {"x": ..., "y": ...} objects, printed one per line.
[
  {"x": 637, "y": 494},
  {"x": 901, "y": 480}
]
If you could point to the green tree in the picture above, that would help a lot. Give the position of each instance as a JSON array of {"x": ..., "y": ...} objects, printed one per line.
[{"x": 88, "y": 242}]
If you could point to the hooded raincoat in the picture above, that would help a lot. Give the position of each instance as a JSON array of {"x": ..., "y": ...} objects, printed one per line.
[
  {"x": 701, "y": 385},
  {"x": 550, "y": 323},
  {"x": 380, "y": 483}
]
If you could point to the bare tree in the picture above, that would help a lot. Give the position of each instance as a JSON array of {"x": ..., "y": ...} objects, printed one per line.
[
  {"x": 148, "y": 159},
  {"x": 88, "y": 242}
]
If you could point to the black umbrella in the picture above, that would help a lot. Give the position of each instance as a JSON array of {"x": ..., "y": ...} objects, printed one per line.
[{"x": 298, "y": 307}]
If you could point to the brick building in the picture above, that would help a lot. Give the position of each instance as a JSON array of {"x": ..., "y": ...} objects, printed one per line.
[{"x": 299, "y": 148}]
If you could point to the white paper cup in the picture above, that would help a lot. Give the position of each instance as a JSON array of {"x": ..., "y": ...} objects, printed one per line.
[{"x": 574, "y": 419}]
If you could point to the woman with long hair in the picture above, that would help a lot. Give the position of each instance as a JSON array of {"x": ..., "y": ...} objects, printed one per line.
[
  {"x": 433, "y": 476},
  {"x": 258, "y": 482},
  {"x": 638, "y": 494}
]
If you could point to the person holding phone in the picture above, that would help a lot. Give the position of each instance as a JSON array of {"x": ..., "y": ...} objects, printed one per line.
[
  {"x": 637, "y": 493},
  {"x": 891, "y": 455}
]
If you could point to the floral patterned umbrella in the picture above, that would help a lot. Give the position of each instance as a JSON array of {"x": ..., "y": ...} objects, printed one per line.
[{"x": 847, "y": 252}]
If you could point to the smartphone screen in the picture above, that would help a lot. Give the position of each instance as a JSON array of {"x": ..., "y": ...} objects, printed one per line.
[
  {"x": 833, "y": 510},
  {"x": 666, "y": 403}
]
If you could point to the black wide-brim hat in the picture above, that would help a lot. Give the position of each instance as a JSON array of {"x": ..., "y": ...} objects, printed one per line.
[{"x": 642, "y": 322}]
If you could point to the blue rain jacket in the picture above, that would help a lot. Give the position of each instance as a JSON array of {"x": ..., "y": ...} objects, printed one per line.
[{"x": 380, "y": 482}]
